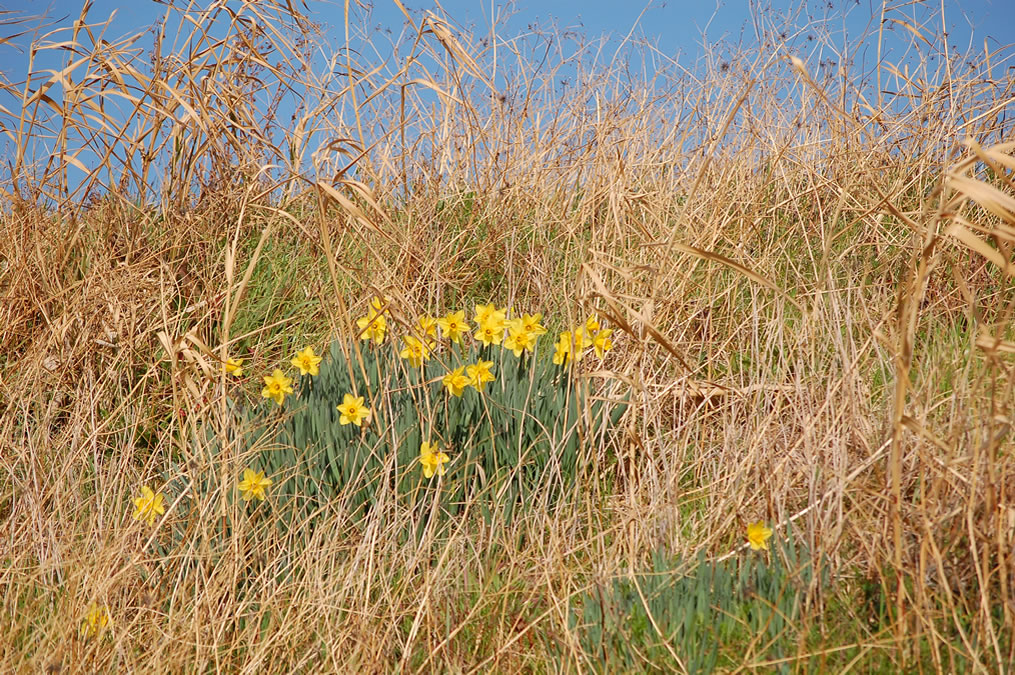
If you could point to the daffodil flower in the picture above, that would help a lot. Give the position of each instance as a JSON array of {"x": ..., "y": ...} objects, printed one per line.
[
  {"x": 95, "y": 621},
  {"x": 563, "y": 354},
  {"x": 489, "y": 314},
  {"x": 353, "y": 410},
  {"x": 453, "y": 326},
  {"x": 530, "y": 322},
  {"x": 148, "y": 506},
  {"x": 581, "y": 340},
  {"x": 758, "y": 535},
  {"x": 520, "y": 340},
  {"x": 432, "y": 459},
  {"x": 374, "y": 325},
  {"x": 276, "y": 386},
  {"x": 490, "y": 333},
  {"x": 234, "y": 367},
  {"x": 602, "y": 342},
  {"x": 307, "y": 362},
  {"x": 253, "y": 485},
  {"x": 479, "y": 374},
  {"x": 456, "y": 382},
  {"x": 416, "y": 351},
  {"x": 592, "y": 324},
  {"x": 426, "y": 326}
]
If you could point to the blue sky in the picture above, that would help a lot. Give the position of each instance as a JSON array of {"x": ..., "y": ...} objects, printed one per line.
[{"x": 677, "y": 29}]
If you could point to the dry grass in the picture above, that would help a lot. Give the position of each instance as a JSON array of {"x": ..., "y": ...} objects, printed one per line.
[{"x": 812, "y": 275}]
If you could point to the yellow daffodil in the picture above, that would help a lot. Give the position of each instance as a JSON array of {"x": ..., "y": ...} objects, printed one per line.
[
  {"x": 373, "y": 326},
  {"x": 453, "y": 326},
  {"x": 253, "y": 485},
  {"x": 563, "y": 354},
  {"x": 432, "y": 459},
  {"x": 511, "y": 342},
  {"x": 488, "y": 314},
  {"x": 455, "y": 381},
  {"x": 758, "y": 535},
  {"x": 416, "y": 351},
  {"x": 307, "y": 362},
  {"x": 520, "y": 340},
  {"x": 490, "y": 333},
  {"x": 276, "y": 386},
  {"x": 353, "y": 410},
  {"x": 479, "y": 374},
  {"x": 234, "y": 367},
  {"x": 148, "y": 506},
  {"x": 581, "y": 341},
  {"x": 592, "y": 324},
  {"x": 95, "y": 621},
  {"x": 602, "y": 342},
  {"x": 426, "y": 326},
  {"x": 530, "y": 322}
]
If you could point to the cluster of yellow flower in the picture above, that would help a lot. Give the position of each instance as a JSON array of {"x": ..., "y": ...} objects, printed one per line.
[
  {"x": 353, "y": 409},
  {"x": 517, "y": 335}
]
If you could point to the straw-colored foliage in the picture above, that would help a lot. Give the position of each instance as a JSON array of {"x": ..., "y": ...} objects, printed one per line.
[{"x": 805, "y": 259}]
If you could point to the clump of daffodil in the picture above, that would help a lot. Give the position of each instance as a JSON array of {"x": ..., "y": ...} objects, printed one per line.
[
  {"x": 758, "y": 535},
  {"x": 416, "y": 351},
  {"x": 253, "y": 485},
  {"x": 453, "y": 326},
  {"x": 307, "y": 362},
  {"x": 354, "y": 410},
  {"x": 432, "y": 459},
  {"x": 276, "y": 386},
  {"x": 148, "y": 506},
  {"x": 602, "y": 342},
  {"x": 234, "y": 367},
  {"x": 374, "y": 325},
  {"x": 95, "y": 621},
  {"x": 456, "y": 381},
  {"x": 479, "y": 374}
]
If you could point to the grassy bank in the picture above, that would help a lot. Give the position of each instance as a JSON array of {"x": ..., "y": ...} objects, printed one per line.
[{"x": 805, "y": 266}]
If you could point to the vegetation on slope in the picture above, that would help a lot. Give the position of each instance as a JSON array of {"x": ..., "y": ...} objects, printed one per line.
[{"x": 806, "y": 266}]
